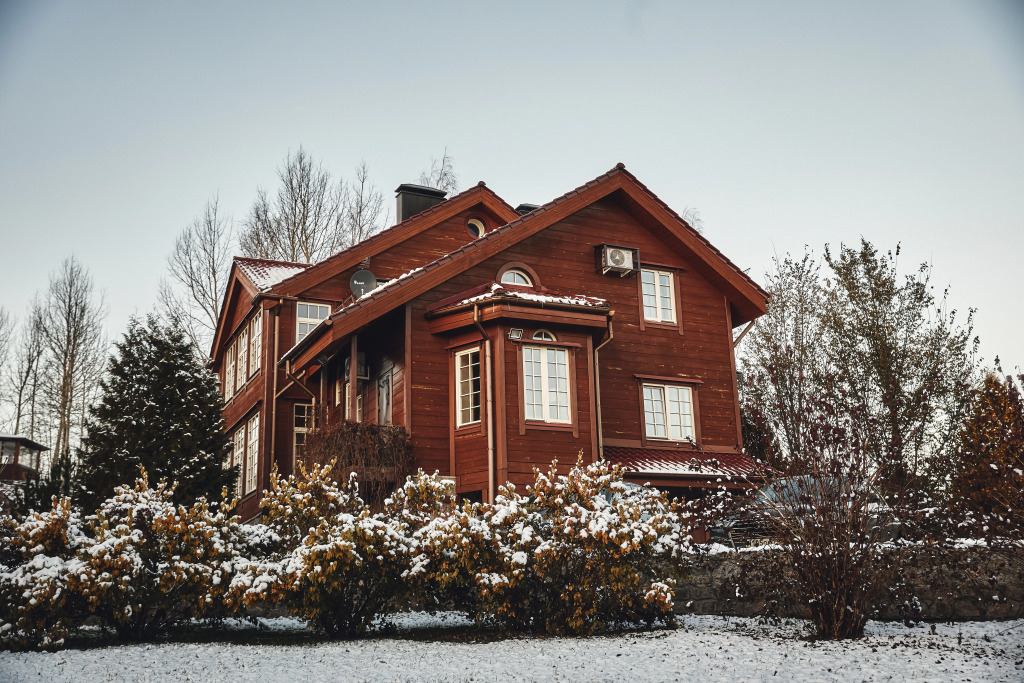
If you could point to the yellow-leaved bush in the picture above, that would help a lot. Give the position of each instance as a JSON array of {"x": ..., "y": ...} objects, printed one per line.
[
  {"x": 580, "y": 554},
  {"x": 335, "y": 564}
]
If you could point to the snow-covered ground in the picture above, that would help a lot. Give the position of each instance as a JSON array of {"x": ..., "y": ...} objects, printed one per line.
[{"x": 428, "y": 648}]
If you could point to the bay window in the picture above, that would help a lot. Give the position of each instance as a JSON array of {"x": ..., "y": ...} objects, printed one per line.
[{"x": 546, "y": 384}]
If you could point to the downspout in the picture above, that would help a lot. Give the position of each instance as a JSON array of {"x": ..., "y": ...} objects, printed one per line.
[
  {"x": 597, "y": 385},
  {"x": 272, "y": 367},
  {"x": 490, "y": 404}
]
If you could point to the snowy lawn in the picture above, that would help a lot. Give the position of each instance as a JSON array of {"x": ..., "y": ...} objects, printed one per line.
[{"x": 422, "y": 647}]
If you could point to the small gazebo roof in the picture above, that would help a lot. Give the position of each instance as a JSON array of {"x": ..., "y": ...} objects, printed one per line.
[{"x": 23, "y": 440}]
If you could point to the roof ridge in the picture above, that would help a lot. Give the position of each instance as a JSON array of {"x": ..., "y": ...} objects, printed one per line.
[
  {"x": 480, "y": 186},
  {"x": 270, "y": 260}
]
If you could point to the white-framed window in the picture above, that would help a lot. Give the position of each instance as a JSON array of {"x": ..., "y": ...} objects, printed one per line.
[
  {"x": 515, "y": 276},
  {"x": 544, "y": 335},
  {"x": 659, "y": 295},
  {"x": 255, "y": 342},
  {"x": 476, "y": 228},
  {"x": 467, "y": 387},
  {"x": 668, "y": 412},
  {"x": 309, "y": 316},
  {"x": 242, "y": 352},
  {"x": 302, "y": 426},
  {"x": 252, "y": 453},
  {"x": 348, "y": 403},
  {"x": 229, "y": 372},
  {"x": 546, "y": 384},
  {"x": 238, "y": 458}
]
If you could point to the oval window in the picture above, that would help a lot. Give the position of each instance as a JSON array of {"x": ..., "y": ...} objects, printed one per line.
[
  {"x": 514, "y": 276},
  {"x": 476, "y": 228}
]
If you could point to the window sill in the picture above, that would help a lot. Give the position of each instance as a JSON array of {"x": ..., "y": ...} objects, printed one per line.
[
  {"x": 551, "y": 426},
  {"x": 659, "y": 442},
  {"x": 660, "y": 324},
  {"x": 471, "y": 427}
]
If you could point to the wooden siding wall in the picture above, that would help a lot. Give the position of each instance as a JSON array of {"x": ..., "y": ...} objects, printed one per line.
[{"x": 563, "y": 258}]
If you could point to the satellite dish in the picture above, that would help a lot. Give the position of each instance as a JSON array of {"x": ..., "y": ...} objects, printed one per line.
[{"x": 362, "y": 281}]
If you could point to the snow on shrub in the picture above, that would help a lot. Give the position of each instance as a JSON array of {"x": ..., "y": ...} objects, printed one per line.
[
  {"x": 580, "y": 554},
  {"x": 450, "y": 543},
  {"x": 336, "y": 565},
  {"x": 40, "y": 600},
  {"x": 153, "y": 564}
]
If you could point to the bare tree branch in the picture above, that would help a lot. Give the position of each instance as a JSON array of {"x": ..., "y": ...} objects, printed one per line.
[
  {"x": 441, "y": 174},
  {"x": 363, "y": 212},
  {"x": 304, "y": 221},
  {"x": 198, "y": 269}
]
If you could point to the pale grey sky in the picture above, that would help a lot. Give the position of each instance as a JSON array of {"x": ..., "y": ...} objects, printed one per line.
[{"x": 784, "y": 124}]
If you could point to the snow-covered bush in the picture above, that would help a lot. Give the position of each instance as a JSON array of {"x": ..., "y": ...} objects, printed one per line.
[
  {"x": 580, "y": 554},
  {"x": 335, "y": 564},
  {"x": 152, "y": 564},
  {"x": 40, "y": 598},
  {"x": 451, "y": 543}
]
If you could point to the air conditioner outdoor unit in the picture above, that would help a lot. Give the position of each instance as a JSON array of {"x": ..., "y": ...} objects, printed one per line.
[
  {"x": 362, "y": 369},
  {"x": 616, "y": 260}
]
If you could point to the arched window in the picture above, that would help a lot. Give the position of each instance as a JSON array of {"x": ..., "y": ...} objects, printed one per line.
[
  {"x": 543, "y": 335},
  {"x": 514, "y": 276},
  {"x": 476, "y": 228}
]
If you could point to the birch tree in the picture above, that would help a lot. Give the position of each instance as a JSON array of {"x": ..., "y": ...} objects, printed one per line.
[
  {"x": 441, "y": 174},
  {"x": 71, "y": 319}
]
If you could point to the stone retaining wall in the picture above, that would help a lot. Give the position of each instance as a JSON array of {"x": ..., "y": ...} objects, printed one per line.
[{"x": 947, "y": 585}]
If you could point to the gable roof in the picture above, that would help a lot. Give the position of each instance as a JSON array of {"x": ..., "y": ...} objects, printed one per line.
[
  {"x": 746, "y": 295},
  {"x": 283, "y": 278},
  {"x": 264, "y": 274},
  {"x": 347, "y": 258}
]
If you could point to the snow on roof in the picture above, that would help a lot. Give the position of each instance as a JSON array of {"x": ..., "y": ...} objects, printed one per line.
[
  {"x": 652, "y": 461},
  {"x": 265, "y": 273},
  {"x": 500, "y": 291}
]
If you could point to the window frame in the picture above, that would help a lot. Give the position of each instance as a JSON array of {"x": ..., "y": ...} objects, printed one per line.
[
  {"x": 242, "y": 353},
  {"x": 457, "y": 388},
  {"x": 516, "y": 272},
  {"x": 255, "y": 343},
  {"x": 299, "y": 320},
  {"x": 664, "y": 384},
  {"x": 297, "y": 430},
  {"x": 570, "y": 393},
  {"x": 345, "y": 400},
  {"x": 229, "y": 372},
  {"x": 658, "y": 295},
  {"x": 238, "y": 457},
  {"x": 252, "y": 429}
]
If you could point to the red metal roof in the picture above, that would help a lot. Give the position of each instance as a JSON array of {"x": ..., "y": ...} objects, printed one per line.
[{"x": 689, "y": 463}]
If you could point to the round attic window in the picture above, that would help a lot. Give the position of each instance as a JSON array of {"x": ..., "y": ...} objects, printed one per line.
[
  {"x": 476, "y": 228},
  {"x": 514, "y": 276}
]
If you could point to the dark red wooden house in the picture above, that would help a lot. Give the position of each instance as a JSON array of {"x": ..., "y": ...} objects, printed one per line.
[{"x": 501, "y": 339}]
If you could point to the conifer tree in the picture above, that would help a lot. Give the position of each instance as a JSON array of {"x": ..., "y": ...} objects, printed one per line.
[{"x": 159, "y": 409}]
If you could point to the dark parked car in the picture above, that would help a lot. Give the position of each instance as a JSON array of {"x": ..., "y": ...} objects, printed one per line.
[{"x": 794, "y": 496}]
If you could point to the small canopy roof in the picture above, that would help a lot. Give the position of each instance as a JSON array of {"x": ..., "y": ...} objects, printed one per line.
[{"x": 24, "y": 441}]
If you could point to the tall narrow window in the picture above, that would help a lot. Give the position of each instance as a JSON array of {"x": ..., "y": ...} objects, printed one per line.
[
  {"x": 255, "y": 342},
  {"x": 238, "y": 458},
  {"x": 252, "y": 453},
  {"x": 467, "y": 379},
  {"x": 546, "y": 384},
  {"x": 668, "y": 412},
  {"x": 659, "y": 297},
  {"x": 229, "y": 372},
  {"x": 303, "y": 423},
  {"x": 309, "y": 316},
  {"x": 348, "y": 403},
  {"x": 242, "y": 351}
]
